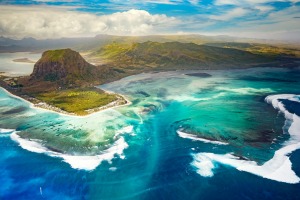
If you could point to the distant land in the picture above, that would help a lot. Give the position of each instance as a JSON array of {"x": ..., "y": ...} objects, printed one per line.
[
  {"x": 94, "y": 43},
  {"x": 62, "y": 80},
  {"x": 24, "y": 60},
  {"x": 149, "y": 56}
]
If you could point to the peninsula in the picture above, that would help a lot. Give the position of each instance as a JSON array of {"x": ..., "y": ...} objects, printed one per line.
[{"x": 64, "y": 82}]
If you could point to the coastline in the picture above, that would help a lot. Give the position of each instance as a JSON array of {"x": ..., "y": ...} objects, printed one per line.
[
  {"x": 111, "y": 105},
  {"x": 47, "y": 107},
  {"x": 38, "y": 104}
]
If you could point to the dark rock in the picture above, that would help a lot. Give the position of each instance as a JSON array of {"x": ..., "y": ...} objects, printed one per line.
[
  {"x": 64, "y": 66},
  {"x": 201, "y": 75}
]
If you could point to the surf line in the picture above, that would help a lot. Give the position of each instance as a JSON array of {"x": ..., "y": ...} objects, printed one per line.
[{"x": 278, "y": 168}]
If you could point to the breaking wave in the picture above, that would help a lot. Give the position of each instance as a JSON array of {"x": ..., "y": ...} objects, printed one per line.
[
  {"x": 195, "y": 138},
  {"x": 279, "y": 168},
  {"x": 76, "y": 162}
]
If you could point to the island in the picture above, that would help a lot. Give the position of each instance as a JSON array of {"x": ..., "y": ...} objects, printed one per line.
[
  {"x": 63, "y": 81},
  {"x": 23, "y": 60}
]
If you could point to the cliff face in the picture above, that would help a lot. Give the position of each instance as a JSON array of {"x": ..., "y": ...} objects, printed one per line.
[{"x": 65, "y": 67}]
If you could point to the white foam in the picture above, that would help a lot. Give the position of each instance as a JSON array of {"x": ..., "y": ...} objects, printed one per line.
[
  {"x": 195, "y": 138},
  {"x": 246, "y": 90},
  {"x": 182, "y": 98},
  {"x": 204, "y": 165},
  {"x": 113, "y": 169},
  {"x": 125, "y": 130},
  {"x": 291, "y": 97},
  {"x": 279, "y": 168},
  {"x": 76, "y": 162},
  {"x": 274, "y": 100},
  {"x": 3, "y": 130},
  {"x": 91, "y": 162}
]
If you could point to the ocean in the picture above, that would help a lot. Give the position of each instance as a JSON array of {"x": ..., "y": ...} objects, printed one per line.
[{"x": 225, "y": 134}]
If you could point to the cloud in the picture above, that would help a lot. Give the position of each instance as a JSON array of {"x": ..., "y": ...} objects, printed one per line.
[
  {"x": 194, "y": 2},
  {"x": 261, "y": 20},
  {"x": 54, "y": 22},
  {"x": 231, "y": 14},
  {"x": 226, "y": 2},
  {"x": 279, "y": 25},
  {"x": 263, "y": 8},
  {"x": 146, "y": 1},
  {"x": 249, "y": 2},
  {"x": 51, "y": 1}
]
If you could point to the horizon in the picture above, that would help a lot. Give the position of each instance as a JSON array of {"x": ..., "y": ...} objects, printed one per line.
[
  {"x": 229, "y": 38},
  {"x": 54, "y": 19}
]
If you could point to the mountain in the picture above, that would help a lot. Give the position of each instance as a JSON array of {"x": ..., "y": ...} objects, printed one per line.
[
  {"x": 94, "y": 43},
  {"x": 64, "y": 66},
  {"x": 64, "y": 69},
  {"x": 176, "y": 55}
]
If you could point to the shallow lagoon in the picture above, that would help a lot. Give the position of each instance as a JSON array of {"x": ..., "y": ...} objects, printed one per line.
[
  {"x": 10, "y": 68},
  {"x": 152, "y": 159}
]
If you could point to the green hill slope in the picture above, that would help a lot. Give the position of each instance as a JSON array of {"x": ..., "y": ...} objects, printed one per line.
[
  {"x": 264, "y": 49},
  {"x": 176, "y": 55}
]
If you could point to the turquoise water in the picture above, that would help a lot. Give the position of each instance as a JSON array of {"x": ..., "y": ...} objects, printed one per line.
[{"x": 182, "y": 137}]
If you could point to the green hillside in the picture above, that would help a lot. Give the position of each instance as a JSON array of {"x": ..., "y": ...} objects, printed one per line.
[
  {"x": 175, "y": 55},
  {"x": 264, "y": 49}
]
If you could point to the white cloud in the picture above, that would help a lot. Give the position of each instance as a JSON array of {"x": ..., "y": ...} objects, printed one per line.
[
  {"x": 131, "y": 2},
  {"x": 263, "y": 8},
  {"x": 231, "y": 14},
  {"x": 249, "y": 2},
  {"x": 280, "y": 25},
  {"x": 163, "y": 1},
  {"x": 226, "y": 2},
  {"x": 194, "y": 2},
  {"x": 54, "y": 0},
  {"x": 53, "y": 22}
]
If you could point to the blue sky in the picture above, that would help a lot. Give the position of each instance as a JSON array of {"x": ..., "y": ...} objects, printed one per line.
[{"x": 268, "y": 19}]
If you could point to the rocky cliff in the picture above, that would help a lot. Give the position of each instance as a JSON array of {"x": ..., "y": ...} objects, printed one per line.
[{"x": 65, "y": 67}]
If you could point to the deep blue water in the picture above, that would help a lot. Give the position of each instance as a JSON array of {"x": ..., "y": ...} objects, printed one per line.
[{"x": 158, "y": 162}]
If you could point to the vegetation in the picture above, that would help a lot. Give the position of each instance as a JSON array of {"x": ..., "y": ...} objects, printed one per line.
[
  {"x": 262, "y": 49},
  {"x": 149, "y": 56},
  {"x": 113, "y": 50},
  {"x": 77, "y": 100},
  {"x": 54, "y": 55}
]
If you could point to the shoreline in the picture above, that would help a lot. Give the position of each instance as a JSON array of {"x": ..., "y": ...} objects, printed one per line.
[
  {"x": 115, "y": 104},
  {"x": 47, "y": 107}
]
